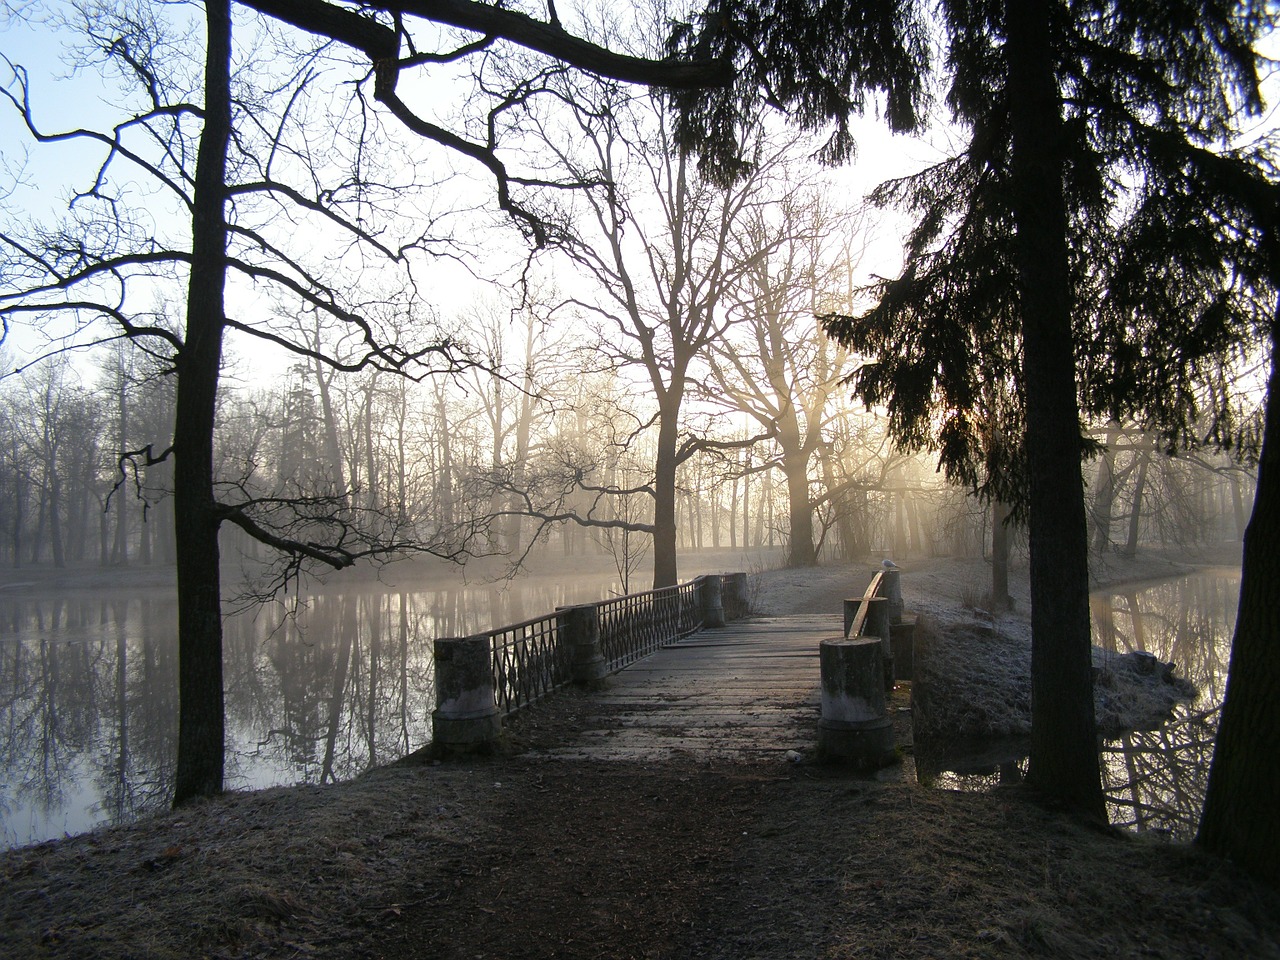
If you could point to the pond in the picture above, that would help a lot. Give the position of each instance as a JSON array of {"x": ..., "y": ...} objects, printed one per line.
[
  {"x": 318, "y": 689},
  {"x": 1154, "y": 779}
]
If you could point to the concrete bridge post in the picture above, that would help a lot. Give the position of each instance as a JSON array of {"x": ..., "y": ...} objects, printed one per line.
[
  {"x": 711, "y": 597},
  {"x": 466, "y": 718},
  {"x": 734, "y": 588},
  {"x": 854, "y": 728},
  {"x": 877, "y": 624},
  {"x": 580, "y": 626},
  {"x": 891, "y": 588}
]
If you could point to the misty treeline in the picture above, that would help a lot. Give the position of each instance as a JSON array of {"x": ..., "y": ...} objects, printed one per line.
[
  {"x": 649, "y": 377},
  {"x": 451, "y": 449}
]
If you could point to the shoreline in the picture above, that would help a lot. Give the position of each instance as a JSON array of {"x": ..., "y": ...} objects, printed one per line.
[{"x": 421, "y": 573}]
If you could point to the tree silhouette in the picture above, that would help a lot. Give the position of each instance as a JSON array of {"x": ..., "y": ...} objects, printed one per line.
[{"x": 1048, "y": 276}]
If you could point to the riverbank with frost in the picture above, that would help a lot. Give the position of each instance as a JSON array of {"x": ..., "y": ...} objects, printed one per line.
[{"x": 973, "y": 662}]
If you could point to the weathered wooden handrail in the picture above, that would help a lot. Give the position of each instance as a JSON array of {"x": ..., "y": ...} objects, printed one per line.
[
  {"x": 582, "y": 644},
  {"x": 875, "y": 614},
  {"x": 856, "y": 609}
]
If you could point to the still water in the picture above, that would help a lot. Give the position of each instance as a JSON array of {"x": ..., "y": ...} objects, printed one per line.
[
  {"x": 1154, "y": 780},
  {"x": 318, "y": 689}
]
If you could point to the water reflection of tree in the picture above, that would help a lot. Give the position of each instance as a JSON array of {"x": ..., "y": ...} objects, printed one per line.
[
  {"x": 58, "y": 715},
  {"x": 87, "y": 724},
  {"x": 326, "y": 697},
  {"x": 135, "y": 747},
  {"x": 1186, "y": 621},
  {"x": 153, "y": 703},
  {"x": 318, "y": 689},
  {"x": 1155, "y": 780}
]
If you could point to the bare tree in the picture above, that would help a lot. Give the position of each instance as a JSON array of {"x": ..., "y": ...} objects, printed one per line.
[
  {"x": 657, "y": 242},
  {"x": 774, "y": 364},
  {"x": 96, "y": 263}
]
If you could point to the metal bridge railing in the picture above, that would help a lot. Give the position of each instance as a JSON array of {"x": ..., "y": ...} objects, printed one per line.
[
  {"x": 481, "y": 678},
  {"x": 636, "y": 625},
  {"x": 530, "y": 660}
]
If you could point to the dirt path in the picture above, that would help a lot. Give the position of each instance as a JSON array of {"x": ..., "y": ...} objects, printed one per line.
[{"x": 578, "y": 859}]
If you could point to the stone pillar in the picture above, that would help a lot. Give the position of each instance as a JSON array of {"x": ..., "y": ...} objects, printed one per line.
[
  {"x": 735, "y": 595},
  {"x": 851, "y": 607},
  {"x": 902, "y": 638},
  {"x": 891, "y": 588},
  {"x": 710, "y": 594},
  {"x": 466, "y": 718},
  {"x": 877, "y": 625},
  {"x": 580, "y": 632},
  {"x": 854, "y": 728}
]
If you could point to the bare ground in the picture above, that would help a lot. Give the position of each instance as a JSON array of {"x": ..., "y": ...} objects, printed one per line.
[
  {"x": 529, "y": 857},
  {"x": 515, "y": 859}
]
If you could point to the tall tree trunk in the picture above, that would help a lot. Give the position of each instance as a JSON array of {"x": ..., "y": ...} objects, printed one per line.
[
  {"x": 915, "y": 526},
  {"x": 402, "y": 453},
  {"x": 665, "y": 573},
  {"x": 201, "y": 734},
  {"x": 144, "y": 540},
  {"x": 444, "y": 481},
  {"x": 1135, "y": 513},
  {"x": 1000, "y": 554},
  {"x": 838, "y": 501},
  {"x": 899, "y": 547},
  {"x": 1237, "y": 506},
  {"x": 165, "y": 531},
  {"x": 332, "y": 446},
  {"x": 104, "y": 538},
  {"x": 55, "y": 517},
  {"x": 1104, "y": 498},
  {"x": 695, "y": 502},
  {"x": 86, "y": 504},
  {"x": 733, "y": 514},
  {"x": 1064, "y": 761},
  {"x": 762, "y": 530},
  {"x": 800, "y": 513},
  {"x": 523, "y": 431},
  {"x": 37, "y": 540},
  {"x": 373, "y": 496},
  {"x": 1239, "y": 819},
  {"x": 19, "y": 509},
  {"x": 120, "y": 549}
]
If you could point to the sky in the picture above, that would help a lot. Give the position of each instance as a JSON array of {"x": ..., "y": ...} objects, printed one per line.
[{"x": 65, "y": 98}]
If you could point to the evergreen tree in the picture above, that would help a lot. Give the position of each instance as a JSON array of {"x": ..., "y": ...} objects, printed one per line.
[{"x": 1018, "y": 300}]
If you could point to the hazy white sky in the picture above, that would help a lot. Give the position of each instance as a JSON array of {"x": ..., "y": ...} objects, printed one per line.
[{"x": 37, "y": 179}]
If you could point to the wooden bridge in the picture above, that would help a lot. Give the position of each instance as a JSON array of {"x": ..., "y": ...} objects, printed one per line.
[
  {"x": 746, "y": 690},
  {"x": 688, "y": 671}
]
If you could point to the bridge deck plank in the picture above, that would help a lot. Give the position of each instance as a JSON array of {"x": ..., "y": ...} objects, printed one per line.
[{"x": 749, "y": 690}]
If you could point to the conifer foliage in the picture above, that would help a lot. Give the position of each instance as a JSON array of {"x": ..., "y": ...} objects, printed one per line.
[{"x": 1092, "y": 251}]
